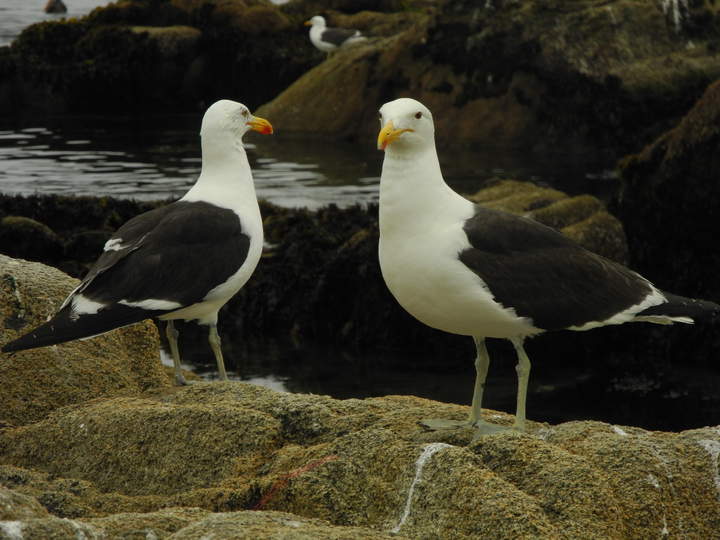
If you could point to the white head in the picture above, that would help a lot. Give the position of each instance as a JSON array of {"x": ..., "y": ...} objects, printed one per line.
[
  {"x": 406, "y": 125},
  {"x": 229, "y": 118},
  {"x": 316, "y": 21}
]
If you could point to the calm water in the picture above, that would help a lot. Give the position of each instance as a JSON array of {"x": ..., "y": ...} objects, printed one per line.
[
  {"x": 160, "y": 158},
  {"x": 17, "y": 14}
]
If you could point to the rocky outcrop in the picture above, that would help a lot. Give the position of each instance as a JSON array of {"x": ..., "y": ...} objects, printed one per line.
[
  {"x": 139, "y": 56},
  {"x": 669, "y": 200},
  {"x": 531, "y": 74},
  {"x": 668, "y": 203},
  {"x": 123, "y": 362},
  {"x": 586, "y": 75},
  {"x": 352, "y": 463}
]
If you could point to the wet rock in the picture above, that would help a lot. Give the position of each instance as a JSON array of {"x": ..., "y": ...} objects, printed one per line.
[
  {"x": 359, "y": 463},
  {"x": 35, "y": 382},
  {"x": 23, "y": 236}
]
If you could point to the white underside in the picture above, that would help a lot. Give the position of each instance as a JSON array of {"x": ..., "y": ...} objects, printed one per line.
[
  {"x": 226, "y": 183},
  {"x": 421, "y": 237}
]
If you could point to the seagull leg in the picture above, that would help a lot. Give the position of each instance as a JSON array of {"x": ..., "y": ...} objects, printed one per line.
[
  {"x": 172, "y": 336},
  {"x": 482, "y": 362},
  {"x": 214, "y": 339},
  {"x": 523, "y": 372}
]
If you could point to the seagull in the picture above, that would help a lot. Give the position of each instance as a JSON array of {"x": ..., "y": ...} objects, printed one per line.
[
  {"x": 470, "y": 270},
  {"x": 180, "y": 261},
  {"x": 330, "y": 39}
]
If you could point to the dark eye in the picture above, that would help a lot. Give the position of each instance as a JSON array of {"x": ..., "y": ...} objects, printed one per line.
[{"x": 418, "y": 115}]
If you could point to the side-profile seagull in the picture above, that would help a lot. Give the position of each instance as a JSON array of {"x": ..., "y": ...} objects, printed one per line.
[
  {"x": 470, "y": 270},
  {"x": 330, "y": 39},
  {"x": 180, "y": 261}
]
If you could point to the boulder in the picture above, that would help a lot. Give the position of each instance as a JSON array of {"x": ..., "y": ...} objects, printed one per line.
[
  {"x": 234, "y": 447},
  {"x": 24, "y": 236},
  {"x": 669, "y": 199},
  {"x": 532, "y": 74},
  {"x": 35, "y": 382},
  {"x": 583, "y": 218}
]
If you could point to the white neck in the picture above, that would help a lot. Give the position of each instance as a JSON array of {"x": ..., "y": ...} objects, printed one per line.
[
  {"x": 225, "y": 179},
  {"x": 413, "y": 192}
]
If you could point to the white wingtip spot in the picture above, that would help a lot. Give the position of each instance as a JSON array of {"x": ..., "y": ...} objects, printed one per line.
[
  {"x": 152, "y": 304},
  {"x": 114, "y": 244},
  {"x": 84, "y": 306}
]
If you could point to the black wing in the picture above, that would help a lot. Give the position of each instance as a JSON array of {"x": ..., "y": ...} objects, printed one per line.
[
  {"x": 176, "y": 253},
  {"x": 544, "y": 275},
  {"x": 337, "y": 36}
]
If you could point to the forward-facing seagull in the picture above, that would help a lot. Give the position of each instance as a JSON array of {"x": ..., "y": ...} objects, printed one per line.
[
  {"x": 180, "y": 261},
  {"x": 330, "y": 39},
  {"x": 470, "y": 270}
]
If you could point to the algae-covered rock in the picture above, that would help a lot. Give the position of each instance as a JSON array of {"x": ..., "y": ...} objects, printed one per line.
[
  {"x": 355, "y": 463},
  {"x": 23, "y": 236},
  {"x": 532, "y": 74},
  {"x": 15, "y": 506},
  {"x": 253, "y": 525},
  {"x": 582, "y": 218},
  {"x": 669, "y": 202},
  {"x": 35, "y": 382}
]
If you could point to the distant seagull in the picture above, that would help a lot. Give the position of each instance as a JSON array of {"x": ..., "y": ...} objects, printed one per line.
[
  {"x": 180, "y": 261},
  {"x": 55, "y": 6},
  {"x": 330, "y": 39},
  {"x": 471, "y": 270}
]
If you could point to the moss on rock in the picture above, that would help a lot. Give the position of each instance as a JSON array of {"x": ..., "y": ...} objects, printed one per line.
[
  {"x": 35, "y": 382},
  {"x": 355, "y": 463}
]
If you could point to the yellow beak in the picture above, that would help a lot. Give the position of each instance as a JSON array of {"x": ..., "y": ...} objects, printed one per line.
[
  {"x": 261, "y": 125},
  {"x": 388, "y": 134},
  {"x": 307, "y": 23}
]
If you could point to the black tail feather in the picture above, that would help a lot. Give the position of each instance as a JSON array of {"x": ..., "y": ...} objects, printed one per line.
[
  {"x": 679, "y": 306},
  {"x": 63, "y": 328}
]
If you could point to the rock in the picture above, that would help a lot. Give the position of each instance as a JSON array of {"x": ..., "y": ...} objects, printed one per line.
[
  {"x": 355, "y": 463},
  {"x": 533, "y": 74},
  {"x": 23, "y": 236},
  {"x": 253, "y": 525},
  {"x": 669, "y": 198},
  {"x": 171, "y": 41},
  {"x": 16, "y": 506},
  {"x": 140, "y": 56},
  {"x": 161, "y": 524},
  {"x": 35, "y": 382},
  {"x": 583, "y": 218},
  {"x": 668, "y": 204}
]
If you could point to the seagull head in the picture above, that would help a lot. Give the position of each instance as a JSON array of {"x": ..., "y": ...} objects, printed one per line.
[
  {"x": 230, "y": 117},
  {"x": 317, "y": 20},
  {"x": 405, "y": 125}
]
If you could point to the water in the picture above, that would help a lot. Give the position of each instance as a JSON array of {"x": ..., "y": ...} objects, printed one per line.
[
  {"x": 159, "y": 158},
  {"x": 17, "y": 14}
]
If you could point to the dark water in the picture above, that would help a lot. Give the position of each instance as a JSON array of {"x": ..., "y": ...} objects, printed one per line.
[
  {"x": 158, "y": 158},
  {"x": 17, "y": 14}
]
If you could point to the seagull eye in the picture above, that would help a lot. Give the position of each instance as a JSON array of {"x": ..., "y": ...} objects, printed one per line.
[{"x": 418, "y": 115}]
